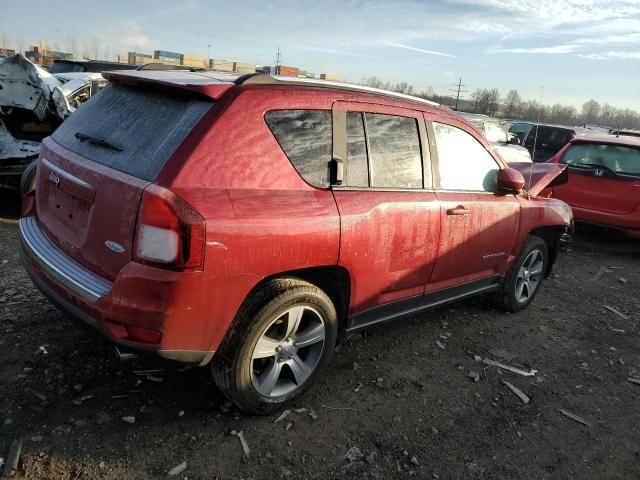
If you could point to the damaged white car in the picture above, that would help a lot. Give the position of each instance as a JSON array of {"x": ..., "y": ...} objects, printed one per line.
[{"x": 33, "y": 103}]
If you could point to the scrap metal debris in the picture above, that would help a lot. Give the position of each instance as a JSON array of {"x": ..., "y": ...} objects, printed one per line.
[
  {"x": 574, "y": 417},
  {"x": 616, "y": 311},
  {"x": 243, "y": 442},
  {"x": 177, "y": 470},
  {"x": 282, "y": 416},
  {"x": 354, "y": 454},
  {"x": 510, "y": 368},
  {"x": 502, "y": 354},
  {"x": 473, "y": 375},
  {"x": 634, "y": 380},
  {"x": 13, "y": 458},
  {"x": 129, "y": 419},
  {"x": 519, "y": 393},
  {"x": 600, "y": 273}
]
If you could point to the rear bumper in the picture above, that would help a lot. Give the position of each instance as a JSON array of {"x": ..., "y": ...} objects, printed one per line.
[{"x": 89, "y": 298}]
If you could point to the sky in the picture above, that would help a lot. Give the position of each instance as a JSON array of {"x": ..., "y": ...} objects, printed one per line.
[{"x": 551, "y": 50}]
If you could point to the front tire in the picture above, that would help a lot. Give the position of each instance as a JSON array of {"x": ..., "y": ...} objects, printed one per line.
[
  {"x": 524, "y": 278},
  {"x": 280, "y": 342}
]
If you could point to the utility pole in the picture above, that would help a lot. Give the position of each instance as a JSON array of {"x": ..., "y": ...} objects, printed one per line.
[
  {"x": 459, "y": 90},
  {"x": 209, "y": 57},
  {"x": 278, "y": 58}
]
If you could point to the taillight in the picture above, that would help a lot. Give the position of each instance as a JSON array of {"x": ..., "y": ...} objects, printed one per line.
[{"x": 169, "y": 233}]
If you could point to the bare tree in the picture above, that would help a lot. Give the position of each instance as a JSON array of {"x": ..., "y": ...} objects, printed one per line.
[
  {"x": 512, "y": 103},
  {"x": 72, "y": 46},
  {"x": 590, "y": 111},
  {"x": 94, "y": 48},
  {"x": 4, "y": 40}
]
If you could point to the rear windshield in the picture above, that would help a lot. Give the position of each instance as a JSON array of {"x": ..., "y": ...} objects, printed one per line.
[
  {"x": 132, "y": 130},
  {"x": 549, "y": 138},
  {"x": 616, "y": 159}
]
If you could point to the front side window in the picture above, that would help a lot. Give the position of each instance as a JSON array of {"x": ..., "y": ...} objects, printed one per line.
[
  {"x": 464, "y": 162},
  {"x": 616, "y": 159},
  {"x": 395, "y": 157},
  {"x": 305, "y": 137}
]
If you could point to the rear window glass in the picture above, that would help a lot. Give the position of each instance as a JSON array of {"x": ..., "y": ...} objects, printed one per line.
[
  {"x": 616, "y": 159},
  {"x": 305, "y": 137},
  {"x": 144, "y": 125},
  {"x": 549, "y": 138}
]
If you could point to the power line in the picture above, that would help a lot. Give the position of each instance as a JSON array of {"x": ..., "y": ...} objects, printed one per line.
[{"x": 458, "y": 90}]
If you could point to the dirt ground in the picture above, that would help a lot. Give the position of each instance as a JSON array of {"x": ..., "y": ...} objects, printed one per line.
[{"x": 394, "y": 403}]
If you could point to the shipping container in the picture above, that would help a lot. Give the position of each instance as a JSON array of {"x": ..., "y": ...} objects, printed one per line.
[
  {"x": 330, "y": 76},
  {"x": 221, "y": 65},
  {"x": 287, "y": 71},
  {"x": 7, "y": 52},
  {"x": 166, "y": 54},
  {"x": 196, "y": 61},
  {"x": 243, "y": 68}
]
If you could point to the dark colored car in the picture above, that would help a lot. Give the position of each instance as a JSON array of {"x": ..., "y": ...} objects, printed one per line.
[
  {"x": 97, "y": 66},
  {"x": 247, "y": 222},
  {"x": 604, "y": 184},
  {"x": 545, "y": 140}
]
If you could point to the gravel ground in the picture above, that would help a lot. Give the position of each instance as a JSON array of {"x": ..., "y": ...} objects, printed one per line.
[{"x": 397, "y": 402}]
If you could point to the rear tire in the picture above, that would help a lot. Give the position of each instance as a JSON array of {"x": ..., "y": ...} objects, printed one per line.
[
  {"x": 524, "y": 279},
  {"x": 279, "y": 344},
  {"x": 28, "y": 178}
]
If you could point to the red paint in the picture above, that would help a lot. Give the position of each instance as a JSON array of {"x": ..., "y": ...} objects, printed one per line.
[
  {"x": 262, "y": 219},
  {"x": 609, "y": 201}
]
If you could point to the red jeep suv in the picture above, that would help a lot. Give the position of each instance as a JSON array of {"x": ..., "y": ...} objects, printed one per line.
[{"x": 248, "y": 222}]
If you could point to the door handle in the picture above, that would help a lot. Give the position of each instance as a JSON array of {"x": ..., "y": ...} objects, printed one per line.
[{"x": 459, "y": 210}]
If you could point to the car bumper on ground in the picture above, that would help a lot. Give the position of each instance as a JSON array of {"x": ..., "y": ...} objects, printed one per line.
[{"x": 131, "y": 318}]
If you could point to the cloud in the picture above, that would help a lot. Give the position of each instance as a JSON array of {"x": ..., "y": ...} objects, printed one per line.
[
  {"x": 553, "y": 50},
  {"x": 592, "y": 56},
  {"x": 131, "y": 35},
  {"x": 624, "y": 55},
  {"x": 420, "y": 50}
]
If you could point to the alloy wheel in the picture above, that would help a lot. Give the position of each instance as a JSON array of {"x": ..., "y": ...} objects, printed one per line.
[
  {"x": 288, "y": 351},
  {"x": 529, "y": 276}
]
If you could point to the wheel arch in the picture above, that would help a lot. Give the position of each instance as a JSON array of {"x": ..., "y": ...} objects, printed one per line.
[{"x": 551, "y": 236}]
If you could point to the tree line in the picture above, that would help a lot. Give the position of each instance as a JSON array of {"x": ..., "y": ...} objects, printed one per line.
[{"x": 514, "y": 107}]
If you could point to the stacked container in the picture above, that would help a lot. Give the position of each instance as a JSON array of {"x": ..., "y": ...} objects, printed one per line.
[
  {"x": 287, "y": 71},
  {"x": 195, "y": 61},
  {"x": 239, "y": 67},
  {"x": 221, "y": 65},
  {"x": 169, "y": 58},
  {"x": 330, "y": 76}
]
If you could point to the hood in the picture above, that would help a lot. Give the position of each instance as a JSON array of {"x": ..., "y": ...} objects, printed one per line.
[{"x": 538, "y": 176}]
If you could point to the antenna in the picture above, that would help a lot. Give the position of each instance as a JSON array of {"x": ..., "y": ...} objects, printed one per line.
[
  {"x": 458, "y": 90},
  {"x": 535, "y": 140}
]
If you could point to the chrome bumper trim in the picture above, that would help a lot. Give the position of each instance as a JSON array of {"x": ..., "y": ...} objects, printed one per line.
[{"x": 77, "y": 278}]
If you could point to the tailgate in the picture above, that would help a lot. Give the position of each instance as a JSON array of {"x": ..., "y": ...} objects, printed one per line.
[{"x": 87, "y": 209}]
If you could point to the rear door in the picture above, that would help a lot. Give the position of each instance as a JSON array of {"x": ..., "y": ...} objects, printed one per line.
[
  {"x": 92, "y": 171},
  {"x": 478, "y": 227},
  {"x": 602, "y": 178},
  {"x": 390, "y": 218}
]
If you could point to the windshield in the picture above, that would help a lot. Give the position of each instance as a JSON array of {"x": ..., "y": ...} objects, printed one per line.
[
  {"x": 495, "y": 133},
  {"x": 617, "y": 159},
  {"x": 132, "y": 130}
]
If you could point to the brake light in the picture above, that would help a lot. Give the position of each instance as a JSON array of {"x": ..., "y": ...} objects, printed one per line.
[{"x": 169, "y": 233}]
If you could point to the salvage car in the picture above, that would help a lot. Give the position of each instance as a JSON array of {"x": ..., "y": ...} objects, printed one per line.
[
  {"x": 33, "y": 103},
  {"x": 604, "y": 183},
  {"x": 506, "y": 144},
  {"x": 250, "y": 222},
  {"x": 544, "y": 140}
]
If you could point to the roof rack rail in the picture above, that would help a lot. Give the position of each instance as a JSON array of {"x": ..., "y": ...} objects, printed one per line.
[{"x": 265, "y": 79}]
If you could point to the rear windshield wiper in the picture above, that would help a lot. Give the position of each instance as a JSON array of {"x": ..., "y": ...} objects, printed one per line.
[{"x": 97, "y": 141}]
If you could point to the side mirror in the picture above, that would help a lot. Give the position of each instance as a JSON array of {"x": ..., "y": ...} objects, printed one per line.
[
  {"x": 510, "y": 180},
  {"x": 513, "y": 139}
]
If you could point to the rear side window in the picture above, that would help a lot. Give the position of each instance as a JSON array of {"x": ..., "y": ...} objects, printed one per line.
[
  {"x": 141, "y": 128},
  {"x": 305, "y": 137},
  {"x": 463, "y": 161},
  {"x": 394, "y": 154},
  {"x": 357, "y": 167}
]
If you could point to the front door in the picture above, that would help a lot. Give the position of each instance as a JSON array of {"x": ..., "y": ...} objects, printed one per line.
[
  {"x": 390, "y": 217},
  {"x": 478, "y": 227}
]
